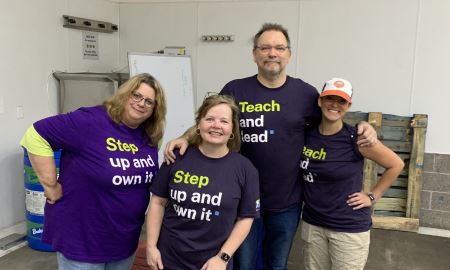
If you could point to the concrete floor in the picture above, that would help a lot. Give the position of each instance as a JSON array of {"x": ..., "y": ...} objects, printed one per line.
[
  {"x": 394, "y": 250},
  {"x": 389, "y": 250}
]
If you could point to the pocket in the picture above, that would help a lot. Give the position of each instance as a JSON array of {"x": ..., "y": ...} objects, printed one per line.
[{"x": 306, "y": 231}]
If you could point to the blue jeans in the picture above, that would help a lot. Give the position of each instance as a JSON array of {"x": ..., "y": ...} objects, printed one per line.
[
  {"x": 279, "y": 230},
  {"x": 66, "y": 264}
]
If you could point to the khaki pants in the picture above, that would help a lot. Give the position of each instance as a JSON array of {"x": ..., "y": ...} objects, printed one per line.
[{"x": 325, "y": 249}]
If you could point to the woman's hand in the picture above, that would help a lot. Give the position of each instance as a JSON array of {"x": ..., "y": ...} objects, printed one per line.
[
  {"x": 53, "y": 193},
  {"x": 154, "y": 258},
  {"x": 214, "y": 263},
  {"x": 359, "y": 200},
  {"x": 45, "y": 169}
]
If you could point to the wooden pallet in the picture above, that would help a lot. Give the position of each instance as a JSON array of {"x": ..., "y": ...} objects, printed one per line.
[{"x": 399, "y": 208}]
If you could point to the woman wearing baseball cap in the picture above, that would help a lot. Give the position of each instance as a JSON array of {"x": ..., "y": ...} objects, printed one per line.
[{"x": 336, "y": 218}]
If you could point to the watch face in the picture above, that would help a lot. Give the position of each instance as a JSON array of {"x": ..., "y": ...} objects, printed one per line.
[{"x": 225, "y": 257}]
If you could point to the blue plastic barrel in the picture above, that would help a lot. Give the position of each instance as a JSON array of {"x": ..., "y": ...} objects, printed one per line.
[{"x": 35, "y": 202}]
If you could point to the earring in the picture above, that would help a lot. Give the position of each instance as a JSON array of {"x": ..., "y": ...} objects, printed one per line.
[
  {"x": 197, "y": 131},
  {"x": 231, "y": 136}
]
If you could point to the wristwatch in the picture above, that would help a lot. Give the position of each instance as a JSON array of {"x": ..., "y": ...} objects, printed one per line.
[
  {"x": 224, "y": 257},
  {"x": 371, "y": 196}
]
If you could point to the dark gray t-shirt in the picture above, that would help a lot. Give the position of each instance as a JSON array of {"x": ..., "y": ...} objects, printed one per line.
[
  {"x": 332, "y": 170},
  {"x": 272, "y": 124},
  {"x": 206, "y": 196}
]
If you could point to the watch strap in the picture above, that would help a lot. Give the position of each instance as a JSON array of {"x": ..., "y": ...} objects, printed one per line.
[{"x": 224, "y": 257}]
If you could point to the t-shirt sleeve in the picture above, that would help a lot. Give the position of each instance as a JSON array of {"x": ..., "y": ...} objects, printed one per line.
[
  {"x": 35, "y": 144},
  {"x": 249, "y": 205},
  {"x": 226, "y": 90},
  {"x": 315, "y": 116},
  {"x": 66, "y": 131},
  {"x": 160, "y": 185}
]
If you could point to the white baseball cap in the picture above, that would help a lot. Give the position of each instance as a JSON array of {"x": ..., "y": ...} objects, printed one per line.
[{"x": 338, "y": 87}]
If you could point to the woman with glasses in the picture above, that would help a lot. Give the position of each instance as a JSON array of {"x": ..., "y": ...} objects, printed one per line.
[
  {"x": 336, "y": 218},
  {"x": 203, "y": 205},
  {"x": 96, "y": 206}
]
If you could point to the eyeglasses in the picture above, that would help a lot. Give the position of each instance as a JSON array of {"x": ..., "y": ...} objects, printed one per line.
[
  {"x": 267, "y": 48},
  {"x": 210, "y": 94},
  {"x": 137, "y": 97}
]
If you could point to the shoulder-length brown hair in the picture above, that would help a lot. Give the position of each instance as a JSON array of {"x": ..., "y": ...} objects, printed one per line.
[
  {"x": 154, "y": 125},
  {"x": 234, "y": 143}
]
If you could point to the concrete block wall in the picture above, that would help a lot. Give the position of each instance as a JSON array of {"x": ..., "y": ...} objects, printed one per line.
[{"x": 435, "y": 197}]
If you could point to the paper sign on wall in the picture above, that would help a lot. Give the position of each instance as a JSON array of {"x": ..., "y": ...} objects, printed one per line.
[{"x": 90, "y": 45}]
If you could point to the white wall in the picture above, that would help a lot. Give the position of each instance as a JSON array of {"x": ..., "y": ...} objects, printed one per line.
[
  {"x": 218, "y": 63},
  {"x": 34, "y": 44},
  {"x": 431, "y": 83},
  {"x": 369, "y": 42},
  {"x": 149, "y": 28},
  {"x": 395, "y": 52}
]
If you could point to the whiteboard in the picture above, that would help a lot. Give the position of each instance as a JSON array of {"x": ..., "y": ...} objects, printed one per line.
[{"x": 175, "y": 75}]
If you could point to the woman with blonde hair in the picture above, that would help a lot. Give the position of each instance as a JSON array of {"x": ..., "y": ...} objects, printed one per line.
[
  {"x": 96, "y": 207},
  {"x": 203, "y": 205}
]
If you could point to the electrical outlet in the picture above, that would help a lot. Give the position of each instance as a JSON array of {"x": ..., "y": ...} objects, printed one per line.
[{"x": 218, "y": 38}]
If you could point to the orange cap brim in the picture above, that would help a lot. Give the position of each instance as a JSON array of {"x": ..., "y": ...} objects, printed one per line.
[{"x": 338, "y": 93}]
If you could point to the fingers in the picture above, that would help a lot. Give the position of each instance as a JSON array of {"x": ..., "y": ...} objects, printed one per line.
[
  {"x": 359, "y": 207},
  {"x": 169, "y": 156},
  {"x": 160, "y": 264},
  {"x": 168, "y": 160},
  {"x": 155, "y": 264},
  {"x": 363, "y": 142},
  {"x": 366, "y": 142},
  {"x": 53, "y": 194},
  {"x": 360, "y": 128},
  {"x": 359, "y": 200},
  {"x": 50, "y": 201},
  {"x": 183, "y": 148},
  {"x": 154, "y": 260},
  {"x": 367, "y": 135}
]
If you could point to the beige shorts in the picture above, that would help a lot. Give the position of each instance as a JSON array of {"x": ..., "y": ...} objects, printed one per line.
[{"x": 325, "y": 249}]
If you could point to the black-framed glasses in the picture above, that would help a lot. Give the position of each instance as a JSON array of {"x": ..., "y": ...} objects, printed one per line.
[
  {"x": 212, "y": 94},
  {"x": 138, "y": 97},
  {"x": 268, "y": 48}
]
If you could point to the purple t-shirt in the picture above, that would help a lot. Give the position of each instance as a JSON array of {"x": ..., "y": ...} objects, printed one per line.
[
  {"x": 332, "y": 170},
  {"x": 272, "y": 126},
  {"x": 205, "y": 197},
  {"x": 106, "y": 170}
]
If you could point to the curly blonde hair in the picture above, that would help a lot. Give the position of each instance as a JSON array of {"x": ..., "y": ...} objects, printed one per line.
[{"x": 155, "y": 124}]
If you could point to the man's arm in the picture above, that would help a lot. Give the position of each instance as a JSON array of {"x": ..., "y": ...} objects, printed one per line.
[{"x": 180, "y": 142}]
